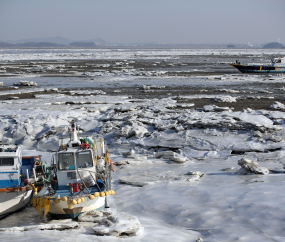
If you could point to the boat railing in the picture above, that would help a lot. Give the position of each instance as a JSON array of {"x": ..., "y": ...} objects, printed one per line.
[{"x": 105, "y": 178}]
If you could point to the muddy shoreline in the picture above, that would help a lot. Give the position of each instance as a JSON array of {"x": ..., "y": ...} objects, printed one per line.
[{"x": 255, "y": 95}]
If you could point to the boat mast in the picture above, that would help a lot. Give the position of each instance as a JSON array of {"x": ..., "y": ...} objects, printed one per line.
[{"x": 74, "y": 131}]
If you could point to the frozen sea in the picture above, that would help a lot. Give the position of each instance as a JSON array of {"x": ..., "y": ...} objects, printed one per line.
[{"x": 158, "y": 143}]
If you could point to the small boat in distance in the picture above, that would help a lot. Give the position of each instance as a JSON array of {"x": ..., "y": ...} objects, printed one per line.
[
  {"x": 15, "y": 171},
  {"x": 277, "y": 66}
]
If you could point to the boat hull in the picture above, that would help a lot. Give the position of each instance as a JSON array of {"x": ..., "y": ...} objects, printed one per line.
[
  {"x": 258, "y": 68},
  {"x": 13, "y": 200},
  {"x": 61, "y": 210}
]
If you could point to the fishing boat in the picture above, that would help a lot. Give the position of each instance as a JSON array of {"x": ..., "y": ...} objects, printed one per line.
[
  {"x": 277, "y": 66},
  {"x": 15, "y": 174},
  {"x": 78, "y": 179}
]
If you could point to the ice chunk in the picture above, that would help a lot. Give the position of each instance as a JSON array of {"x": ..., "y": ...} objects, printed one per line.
[
  {"x": 119, "y": 225},
  {"x": 195, "y": 175},
  {"x": 250, "y": 167},
  {"x": 226, "y": 99},
  {"x": 277, "y": 105},
  {"x": 166, "y": 154},
  {"x": 128, "y": 153},
  {"x": 214, "y": 108},
  {"x": 137, "y": 180},
  {"x": 179, "y": 159},
  {"x": 25, "y": 83}
]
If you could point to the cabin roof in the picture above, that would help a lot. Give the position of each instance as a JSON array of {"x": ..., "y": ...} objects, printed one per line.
[{"x": 10, "y": 151}]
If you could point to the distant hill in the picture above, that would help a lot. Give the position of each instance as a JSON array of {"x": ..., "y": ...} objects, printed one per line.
[
  {"x": 57, "y": 40},
  {"x": 274, "y": 45},
  {"x": 31, "y": 45},
  {"x": 47, "y": 45},
  {"x": 6, "y": 45},
  {"x": 40, "y": 45},
  {"x": 83, "y": 44},
  {"x": 98, "y": 40}
]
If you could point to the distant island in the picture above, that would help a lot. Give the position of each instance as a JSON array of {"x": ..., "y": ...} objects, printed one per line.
[
  {"x": 274, "y": 45},
  {"x": 59, "y": 42},
  {"x": 48, "y": 45},
  {"x": 91, "y": 45},
  {"x": 82, "y": 44}
]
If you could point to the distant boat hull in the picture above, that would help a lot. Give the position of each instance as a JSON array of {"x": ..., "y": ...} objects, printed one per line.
[
  {"x": 13, "y": 200},
  {"x": 258, "y": 68}
]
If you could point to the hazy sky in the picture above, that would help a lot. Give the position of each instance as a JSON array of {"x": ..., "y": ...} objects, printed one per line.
[{"x": 144, "y": 21}]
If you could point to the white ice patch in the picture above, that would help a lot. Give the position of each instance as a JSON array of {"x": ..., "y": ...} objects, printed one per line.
[
  {"x": 226, "y": 99},
  {"x": 278, "y": 106},
  {"x": 52, "y": 226},
  {"x": 214, "y": 108}
]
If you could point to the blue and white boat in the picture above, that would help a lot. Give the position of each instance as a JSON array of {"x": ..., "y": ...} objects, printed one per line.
[
  {"x": 277, "y": 66},
  {"x": 15, "y": 171},
  {"x": 78, "y": 180}
]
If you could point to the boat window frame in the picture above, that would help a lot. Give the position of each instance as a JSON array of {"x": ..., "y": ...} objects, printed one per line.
[
  {"x": 59, "y": 161},
  {"x": 91, "y": 159},
  {"x": 74, "y": 166},
  {"x": 13, "y": 158}
]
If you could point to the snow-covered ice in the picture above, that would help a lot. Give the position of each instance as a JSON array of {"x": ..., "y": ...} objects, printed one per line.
[{"x": 177, "y": 174}]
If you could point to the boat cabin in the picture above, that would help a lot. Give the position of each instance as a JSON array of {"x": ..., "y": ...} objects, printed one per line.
[
  {"x": 10, "y": 162},
  {"x": 14, "y": 167},
  {"x": 278, "y": 61},
  {"x": 75, "y": 160},
  {"x": 73, "y": 165}
]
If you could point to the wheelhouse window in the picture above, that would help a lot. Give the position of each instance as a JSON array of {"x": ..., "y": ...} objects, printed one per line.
[
  {"x": 84, "y": 159},
  {"x": 66, "y": 161},
  {"x": 9, "y": 161}
]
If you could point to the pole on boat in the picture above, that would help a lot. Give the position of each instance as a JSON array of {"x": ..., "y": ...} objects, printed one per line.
[
  {"x": 27, "y": 172},
  {"x": 35, "y": 174}
]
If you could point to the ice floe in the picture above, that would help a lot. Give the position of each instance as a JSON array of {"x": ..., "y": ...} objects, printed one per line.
[
  {"x": 25, "y": 83},
  {"x": 109, "y": 223}
]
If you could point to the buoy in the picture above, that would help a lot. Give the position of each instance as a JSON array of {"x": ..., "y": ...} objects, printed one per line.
[
  {"x": 91, "y": 197},
  {"x": 102, "y": 194},
  {"x": 113, "y": 168},
  {"x": 74, "y": 202},
  {"x": 78, "y": 200},
  {"x": 82, "y": 199},
  {"x": 64, "y": 198},
  {"x": 113, "y": 192},
  {"x": 70, "y": 206},
  {"x": 106, "y": 193},
  {"x": 96, "y": 194}
]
